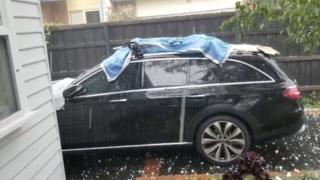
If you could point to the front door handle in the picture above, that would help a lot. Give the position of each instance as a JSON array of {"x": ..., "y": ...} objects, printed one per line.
[
  {"x": 196, "y": 96},
  {"x": 118, "y": 100}
]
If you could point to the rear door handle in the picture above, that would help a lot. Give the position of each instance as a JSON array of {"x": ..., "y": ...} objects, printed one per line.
[
  {"x": 196, "y": 96},
  {"x": 118, "y": 100}
]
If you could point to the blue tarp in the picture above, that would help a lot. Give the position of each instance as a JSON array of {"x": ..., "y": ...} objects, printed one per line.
[{"x": 211, "y": 47}]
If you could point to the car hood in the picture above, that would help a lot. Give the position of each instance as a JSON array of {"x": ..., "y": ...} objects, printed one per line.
[{"x": 57, "y": 88}]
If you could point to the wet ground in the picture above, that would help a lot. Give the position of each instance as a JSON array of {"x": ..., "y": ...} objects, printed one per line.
[{"x": 299, "y": 152}]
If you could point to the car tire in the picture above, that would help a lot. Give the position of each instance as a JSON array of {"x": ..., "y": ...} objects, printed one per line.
[{"x": 222, "y": 139}]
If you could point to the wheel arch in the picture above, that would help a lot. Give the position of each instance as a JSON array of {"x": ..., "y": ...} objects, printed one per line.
[{"x": 228, "y": 110}]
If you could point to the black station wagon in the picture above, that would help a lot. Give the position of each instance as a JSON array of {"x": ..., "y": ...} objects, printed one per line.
[{"x": 172, "y": 99}]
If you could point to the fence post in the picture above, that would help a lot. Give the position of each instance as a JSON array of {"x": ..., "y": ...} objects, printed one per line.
[{"x": 107, "y": 38}]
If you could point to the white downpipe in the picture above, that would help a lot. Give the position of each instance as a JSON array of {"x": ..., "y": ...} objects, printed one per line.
[{"x": 102, "y": 10}]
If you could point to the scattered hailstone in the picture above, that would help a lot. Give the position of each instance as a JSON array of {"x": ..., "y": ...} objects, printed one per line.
[
  {"x": 278, "y": 178},
  {"x": 276, "y": 151},
  {"x": 192, "y": 171},
  {"x": 289, "y": 174},
  {"x": 99, "y": 161},
  {"x": 280, "y": 168},
  {"x": 182, "y": 171},
  {"x": 201, "y": 163}
]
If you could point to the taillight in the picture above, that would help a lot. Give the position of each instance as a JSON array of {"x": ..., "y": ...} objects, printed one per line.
[{"x": 292, "y": 93}]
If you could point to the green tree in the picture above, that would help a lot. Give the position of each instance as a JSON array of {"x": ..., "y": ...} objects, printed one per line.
[{"x": 300, "y": 19}]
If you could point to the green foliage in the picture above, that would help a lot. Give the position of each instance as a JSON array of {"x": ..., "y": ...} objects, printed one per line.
[
  {"x": 311, "y": 100},
  {"x": 299, "y": 17},
  {"x": 47, "y": 30}
]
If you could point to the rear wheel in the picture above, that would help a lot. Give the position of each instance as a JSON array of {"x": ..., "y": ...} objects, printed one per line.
[{"x": 222, "y": 139}]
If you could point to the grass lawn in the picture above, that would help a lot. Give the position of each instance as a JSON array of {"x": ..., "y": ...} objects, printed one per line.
[
  {"x": 311, "y": 100},
  {"x": 310, "y": 175}
]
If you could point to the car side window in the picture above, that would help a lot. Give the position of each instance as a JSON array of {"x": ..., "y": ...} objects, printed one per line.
[
  {"x": 128, "y": 79},
  {"x": 232, "y": 71},
  {"x": 203, "y": 72},
  {"x": 164, "y": 73},
  {"x": 207, "y": 72}
]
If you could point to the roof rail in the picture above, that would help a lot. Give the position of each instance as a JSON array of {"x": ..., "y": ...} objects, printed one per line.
[
  {"x": 136, "y": 50},
  {"x": 255, "y": 48}
]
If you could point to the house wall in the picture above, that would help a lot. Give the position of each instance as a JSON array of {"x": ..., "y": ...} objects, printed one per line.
[
  {"x": 149, "y": 8},
  {"x": 55, "y": 12},
  {"x": 32, "y": 151},
  {"x": 116, "y": 6},
  {"x": 74, "y": 5},
  {"x": 81, "y": 6}
]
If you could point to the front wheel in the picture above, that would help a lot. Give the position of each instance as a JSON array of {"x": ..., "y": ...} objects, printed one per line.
[{"x": 222, "y": 140}]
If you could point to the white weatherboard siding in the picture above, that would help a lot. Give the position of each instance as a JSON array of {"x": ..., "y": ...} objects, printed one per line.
[
  {"x": 149, "y": 8},
  {"x": 33, "y": 151}
]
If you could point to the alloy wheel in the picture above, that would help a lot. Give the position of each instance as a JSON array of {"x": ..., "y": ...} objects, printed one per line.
[{"x": 223, "y": 141}]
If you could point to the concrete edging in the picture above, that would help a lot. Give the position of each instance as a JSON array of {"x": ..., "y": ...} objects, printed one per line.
[{"x": 312, "y": 111}]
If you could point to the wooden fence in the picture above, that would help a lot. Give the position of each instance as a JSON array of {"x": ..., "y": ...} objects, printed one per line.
[{"x": 74, "y": 49}]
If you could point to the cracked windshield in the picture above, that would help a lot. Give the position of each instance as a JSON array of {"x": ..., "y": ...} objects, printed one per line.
[{"x": 160, "y": 89}]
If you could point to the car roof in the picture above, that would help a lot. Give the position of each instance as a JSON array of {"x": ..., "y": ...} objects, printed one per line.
[
  {"x": 237, "y": 50},
  {"x": 234, "y": 54}
]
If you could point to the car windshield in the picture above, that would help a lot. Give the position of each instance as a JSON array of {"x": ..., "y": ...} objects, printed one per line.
[{"x": 86, "y": 73}]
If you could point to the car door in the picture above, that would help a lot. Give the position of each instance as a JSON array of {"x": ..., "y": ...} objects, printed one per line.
[
  {"x": 163, "y": 82},
  {"x": 73, "y": 124},
  {"x": 113, "y": 107}
]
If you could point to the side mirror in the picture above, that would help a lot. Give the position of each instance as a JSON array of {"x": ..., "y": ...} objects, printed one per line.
[{"x": 72, "y": 91}]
